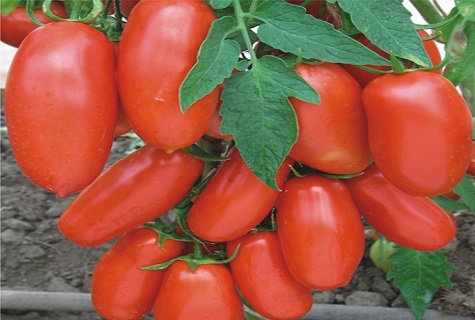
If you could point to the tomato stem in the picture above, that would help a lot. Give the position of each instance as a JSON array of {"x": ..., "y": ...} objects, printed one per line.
[
  {"x": 239, "y": 13},
  {"x": 428, "y": 10}
]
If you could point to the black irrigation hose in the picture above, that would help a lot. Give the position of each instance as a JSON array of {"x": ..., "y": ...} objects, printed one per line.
[{"x": 71, "y": 301}]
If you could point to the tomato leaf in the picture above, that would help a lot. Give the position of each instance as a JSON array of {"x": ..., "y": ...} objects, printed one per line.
[
  {"x": 286, "y": 27},
  {"x": 462, "y": 55},
  {"x": 387, "y": 24},
  {"x": 466, "y": 9},
  {"x": 216, "y": 60},
  {"x": 449, "y": 204},
  {"x": 418, "y": 275},
  {"x": 257, "y": 113},
  {"x": 7, "y": 6},
  {"x": 219, "y": 4},
  {"x": 466, "y": 190}
]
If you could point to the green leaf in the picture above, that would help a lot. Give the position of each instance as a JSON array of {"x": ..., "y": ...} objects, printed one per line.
[
  {"x": 466, "y": 190},
  {"x": 219, "y": 4},
  {"x": 257, "y": 113},
  {"x": 418, "y": 275},
  {"x": 7, "y": 6},
  {"x": 388, "y": 25},
  {"x": 286, "y": 27},
  {"x": 462, "y": 55},
  {"x": 466, "y": 8},
  {"x": 449, "y": 204},
  {"x": 216, "y": 60}
]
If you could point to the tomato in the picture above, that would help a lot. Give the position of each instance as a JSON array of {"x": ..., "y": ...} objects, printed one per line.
[
  {"x": 61, "y": 105},
  {"x": 17, "y": 25},
  {"x": 234, "y": 201},
  {"x": 313, "y": 8},
  {"x": 136, "y": 189},
  {"x": 320, "y": 231},
  {"x": 214, "y": 129},
  {"x": 332, "y": 134},
  {"x": 164, "y": 37},
  {"x": 379, "y": 253},
  {"x": 206, "y": 292},
  {"x": 420, "y": 131},
  {"x": 119, "y": 289},
  {"x": 126, "y": 6},
  {"x": 471, "y": 166},
  {"x": 262, "y": 277},
  {"x": 410, "y": 221},
  {"x": 364, "y": 77}
]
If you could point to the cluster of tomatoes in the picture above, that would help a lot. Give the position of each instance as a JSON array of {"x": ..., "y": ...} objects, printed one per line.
[{"x": 378, "y": 146}]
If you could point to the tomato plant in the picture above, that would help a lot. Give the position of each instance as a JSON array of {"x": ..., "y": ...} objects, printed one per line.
[
  {"x": 411, "y": 221},
  {"x": 276, "y": 295},
  {"x": 420, "y": 131},
  {"x": 319, "y": 228},
  {"x": 48, "y": 107},
  {"x": 118, "y": 272},
  {"x": 206, "y": 292},
  {"x": 135, "y": 190},
  {"x": 339, "y": 143},
  {"x": 149, "y": 90}
]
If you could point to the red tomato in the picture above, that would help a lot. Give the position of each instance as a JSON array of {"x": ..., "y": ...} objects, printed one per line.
[
  {"x": 61, "y": 115},
  {"x": 333, "y": 135},
  {"x": 420, "y": 131},
  {"x": 471, "y": 166},
  {"x": 136, "y": 189},
  {"x": 413, "y": 222},
  {"x": 313, "y": 8},
  {"x": 364, "y": 76},
  {"x": 119, "y": 289},
  {"x": 233, "y": 202},
  {"x": 206, "y": 292},
  {"x": 17, "y": 25},
  {"x": 126, "y": 6},
  {"x": 214, "y": 129},
  {"x": 164, "y": 36},
  {"x": 263, "y": 278},
  {"x": 320, "y": 231}
]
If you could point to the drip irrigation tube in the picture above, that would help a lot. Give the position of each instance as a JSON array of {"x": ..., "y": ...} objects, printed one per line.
[{"x": 70, "y": 301}]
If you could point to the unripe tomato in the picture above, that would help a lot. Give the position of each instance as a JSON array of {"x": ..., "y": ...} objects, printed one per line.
[
  {"x": 137, "y": 189},
  {"x": 263, "y": 278},
  {"x": 234, "y": 201},
  {"x": 119, "y": 289},
  {"x": 379, "y": 253},
  {"x": 333, "y": 135},
  {"x": 411, "y": 221},
  {"x": 420, "y": 131},
  {"x": 61, "y": 105},
  {"x": 364, "y": 77},
  {"x": 320, "y": 231},
  {"x": 17, "y": 25},
  {"x": 164, "y": 37},
  {"x": 206, "y": 292}
]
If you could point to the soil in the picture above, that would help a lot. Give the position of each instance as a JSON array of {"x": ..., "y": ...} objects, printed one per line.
[{"x": 36, "y": 257}]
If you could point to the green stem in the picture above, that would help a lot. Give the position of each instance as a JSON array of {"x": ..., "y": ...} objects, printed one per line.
[
  {"x": 428, "y": 10},
  {"x": 239, "y": 13}
]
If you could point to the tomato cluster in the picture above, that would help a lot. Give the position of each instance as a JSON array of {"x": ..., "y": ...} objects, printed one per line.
[{"x": 371, "y": 151}]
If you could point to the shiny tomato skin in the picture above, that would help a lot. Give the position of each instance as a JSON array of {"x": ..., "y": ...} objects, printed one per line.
[
  {"x": 166, "y": 36},
  {"x": 471, "y": 166},
  {"x": 333, "y": 135},
  {"x": 234, "y": 201},
  {"x": 17, "y": 25},
  {"x": 206, "y": 292},
  {"x": 420, "y": 131},
  {"x": 364, "y": 77},
  {"x": 119, "y": 289},
  {"x": 320, "y": 231},
  {"x": 137, "y": 189},
  {"x": 411, "y": 221},
  {"x": 61, "y": 115},
  {"x": 262, "y": 277}
]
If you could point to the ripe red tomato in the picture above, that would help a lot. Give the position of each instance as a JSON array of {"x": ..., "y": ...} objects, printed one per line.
[
  {"x": 233, "y": 202},
  {"x": 136, "y": 189},
  {"x": 17, "y": 25},
  {"x": 214, "y": 129},
  {"x": 471, "y": 166},
  {"x": 126, "y": 6},
  {"x": 119, "y": 289},
  {"x": 333, "y": 135},
  {"x": 61, "y": 115},
  {"x": 264, "y": 280},
  {"x": 164, "y": 37},
  {"x": 206, "y": 292},
  {"x": 320, "y": 231},
  {"x": 413, "y": 222},
  {"x": 364, "y": 77},
  {"x": 420, "y": 131}
]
